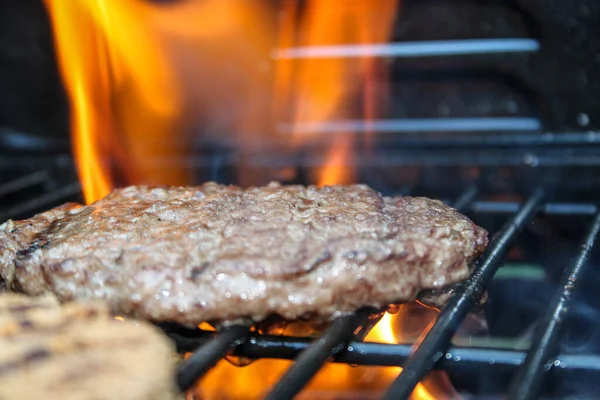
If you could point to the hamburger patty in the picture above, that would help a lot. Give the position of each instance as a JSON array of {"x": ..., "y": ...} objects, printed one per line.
[
  {"x": 79, "y": 352},
  {"x": 223, "y": 253}
]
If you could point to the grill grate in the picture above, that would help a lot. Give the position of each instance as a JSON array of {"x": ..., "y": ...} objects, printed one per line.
[
  {"x": 455, "y": 358},
  {"x": 339, "y": 343}
]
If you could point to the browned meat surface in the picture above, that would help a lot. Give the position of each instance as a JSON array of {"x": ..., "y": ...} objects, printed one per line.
[
  {"x": 79, "y": 352},
  {"x": 221, "y": 253}
]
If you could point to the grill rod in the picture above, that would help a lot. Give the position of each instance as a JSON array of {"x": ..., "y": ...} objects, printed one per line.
[
  {"x": 208, "y": 355},
  {"x": 44, "y": 200},
  {"x": 459, "y": 359},
  {"x": 310, "y": 361},
  {"x": 431, "y": 48},
  {"x": 24, "y": 182},
  {"x": 526, "y": 383},
  {"x": 464, "y": 201},
  {"x": 435, "y": 343}
]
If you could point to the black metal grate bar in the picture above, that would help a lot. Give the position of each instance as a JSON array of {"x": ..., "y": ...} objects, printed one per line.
[
  {"x": 526, "y": 383},
  {"x": 35, "y": 178},
  {"x": 208, "y": 355},
  {"x": 390, "y": 355},
  {"x": 384, "y": 354},
  {"x": 494, "y": 140},
  {"x": 510, "y": 207},
  {"x": 308, "y": 363},
  {"x": 437, "y": 340},
  {"x": 41, "y": 201},
  {"x": 463, "y": 203}
]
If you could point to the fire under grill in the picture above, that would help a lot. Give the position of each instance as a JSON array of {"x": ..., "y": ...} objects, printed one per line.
[{"x": 528, "y": 370}]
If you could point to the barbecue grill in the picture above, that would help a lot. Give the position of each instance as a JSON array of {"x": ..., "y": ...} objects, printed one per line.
[{"x": 503, "y": 101}]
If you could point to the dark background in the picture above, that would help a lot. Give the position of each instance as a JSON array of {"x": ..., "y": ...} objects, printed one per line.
[{"x": 560, "y": 84}]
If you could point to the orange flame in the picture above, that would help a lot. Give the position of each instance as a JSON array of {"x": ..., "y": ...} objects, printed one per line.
[
  {"x": 317, "y": 90},
  {"x": 334, "y": 381},
  {"x": 143, "y": 78},
  {"x": 140, "y": 83},
  {"x": 336, "y": 169}
]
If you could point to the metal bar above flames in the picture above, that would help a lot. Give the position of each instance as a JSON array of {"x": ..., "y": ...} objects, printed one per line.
[
  {"x": 207, "y": 355},
  {"x": 441, "y": 48},
  {"x": 407, "y": 125},
  {"x": 388, "y": 355}
]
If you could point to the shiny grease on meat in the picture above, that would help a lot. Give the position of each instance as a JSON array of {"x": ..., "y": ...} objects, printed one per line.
[{"x": 222, "y": 253}]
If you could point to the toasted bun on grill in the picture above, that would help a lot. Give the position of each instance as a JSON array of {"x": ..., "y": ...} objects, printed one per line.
[
  {"x": 224, "y": 253},
  {"x": 79, "y": 352}
]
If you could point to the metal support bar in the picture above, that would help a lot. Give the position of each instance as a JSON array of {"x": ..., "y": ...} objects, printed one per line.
[
  {"x": 41, "y": 201},
  {"x": 23, "y": 182},
  {"x": 312, "y": 359},
  {"x": 383, "y": 354},
  {"x": 510, "y": 207},
  {"x": 466, "y": 198},
  {"x": 208, "y": 355},
  {"x": 526, "y": 383},
  {"x": 411, "y": 125},
  {"x": 437, "y": 340},
  {"x": 433, "y": 48}
]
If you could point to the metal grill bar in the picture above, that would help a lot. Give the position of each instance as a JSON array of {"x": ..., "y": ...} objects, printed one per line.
[
  {"x": 523, "y": 139},
  {"x": 409, "y": 125},
  {"x": 433, "y": 346},
  {"x": 464, "y": 201},
  {"x": 208, "y": 355},
  {"x": 42, "y": 201},
  {"x": 539, "y": 157},
  {"x": 390, "y": 355},
  {"x": 312, "y": 358},
  {"x": 526, "y": 383},
  {"x": 509, "y": 207},
  {"x": 488, "y": 139},
  {"x": 433, "y": 48},
  {"x": 383, "y": 354},
  {"x": 23, "y": 182}
]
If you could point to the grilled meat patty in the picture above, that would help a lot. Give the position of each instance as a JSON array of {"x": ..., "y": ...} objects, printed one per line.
[
  {"x": 79, "y": 352},
  {"x": 222, "y": 253}
]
